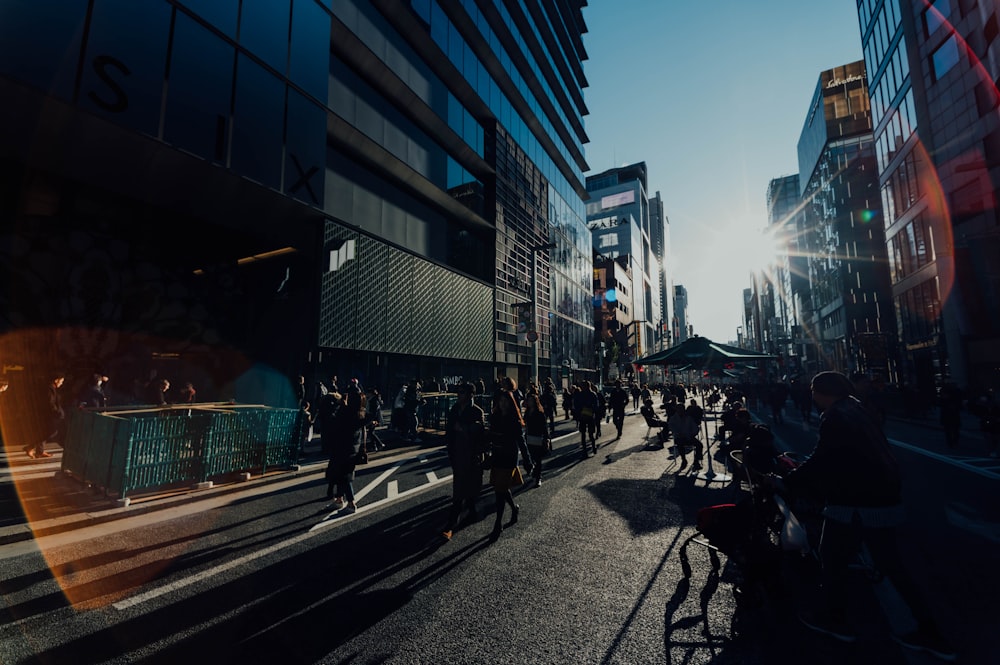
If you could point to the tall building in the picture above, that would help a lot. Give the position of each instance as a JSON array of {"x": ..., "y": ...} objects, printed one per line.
[
  {"x": 932, "y": 68},
  {"x": 659, "y": 238},
  {"x": 619, "y": 220},
  {"x": 788, "y": 275},
  {"x": 849, "y": 316},
  {"x": 251, "y": 190},
  {"x": 682, "y": 321}
]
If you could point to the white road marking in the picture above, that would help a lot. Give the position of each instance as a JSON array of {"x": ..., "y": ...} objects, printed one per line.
[
  {"x": 314, "y": 531},
  {"x": 392, "y": 489},
  {"x": 431, "y": 477},
  {"x": 961, "y": 463}
]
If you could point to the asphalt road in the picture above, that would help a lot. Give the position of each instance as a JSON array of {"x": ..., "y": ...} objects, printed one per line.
[{"x": 589, "y": 574}]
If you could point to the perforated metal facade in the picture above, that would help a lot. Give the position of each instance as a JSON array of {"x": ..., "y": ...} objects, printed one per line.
[{"x": 384, "y": 300}]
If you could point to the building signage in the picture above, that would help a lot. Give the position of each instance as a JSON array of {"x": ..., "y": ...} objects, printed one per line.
[
  {"x": 620, "y": 199},
  {"x": 833, "y": 83}
]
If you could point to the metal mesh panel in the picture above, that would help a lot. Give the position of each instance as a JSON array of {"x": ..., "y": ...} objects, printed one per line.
[{"x": 389, "y": 301}]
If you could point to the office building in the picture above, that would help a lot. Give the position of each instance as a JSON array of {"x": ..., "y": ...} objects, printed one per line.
[
  {"x": 932, "y": 68},
  {"x": 849, "y": 316},
  {"x": 619, "y": 220},
  {"x": 245, "y": 191}
]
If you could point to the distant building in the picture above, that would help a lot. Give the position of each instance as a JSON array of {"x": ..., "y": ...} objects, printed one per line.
[
  {"x": 788, "y": 279},
  {"x": 659, "y": 238},
  {"x": 619, "y": 221},
  {"x": 681, "y": 323}
]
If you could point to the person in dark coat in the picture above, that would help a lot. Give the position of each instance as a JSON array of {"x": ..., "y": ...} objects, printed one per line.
[
  {"x": 506, "y": 438},
  {"x": 853, "y": 473},
  {"x": 536, "y": 434},
  {"x": 94, "y": 396},
  {"x": 465, "y": 440},
  {"x": 618, "y": 401},
  {"x": 348, "y": 440},
  {"x": 53, "y": 419}
]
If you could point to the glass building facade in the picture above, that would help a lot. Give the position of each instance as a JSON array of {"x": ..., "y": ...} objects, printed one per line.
[
  {"x": 350, "y": 187},
  {"x": 848, "y": 281},
  {"x": 932, "y": 72}
]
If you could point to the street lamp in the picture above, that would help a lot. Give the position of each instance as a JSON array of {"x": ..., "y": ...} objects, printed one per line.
[{"x": 534, "y": 249}]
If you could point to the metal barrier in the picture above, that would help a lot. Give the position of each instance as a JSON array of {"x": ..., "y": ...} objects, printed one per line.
[
  {"x": 125, "y": 450},
  {"x": 433, "y": 413}
]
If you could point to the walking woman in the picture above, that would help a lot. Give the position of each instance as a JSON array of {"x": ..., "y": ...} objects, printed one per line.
[
  {"x": 465, "y": 438},
  {"x": 507, "y": 435},
  {"x": 537, "y": 435}
]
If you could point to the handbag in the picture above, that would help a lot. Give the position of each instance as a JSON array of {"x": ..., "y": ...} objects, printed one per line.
[
  {"x": 536, "y": 440},
  {"x": 361, "y": 457},
  {"x": 586, "y": 413}
]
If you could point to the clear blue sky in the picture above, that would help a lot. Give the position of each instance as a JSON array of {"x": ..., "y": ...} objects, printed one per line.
[{"x": 713, "y": 97}]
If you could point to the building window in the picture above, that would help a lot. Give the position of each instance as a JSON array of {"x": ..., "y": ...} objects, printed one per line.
[
  {"x": 944, "y": 58},
  {"x": 936, "y": 15}
]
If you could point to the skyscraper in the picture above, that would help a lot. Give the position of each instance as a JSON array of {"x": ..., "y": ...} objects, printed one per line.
[{"x": 848, "y": 278}]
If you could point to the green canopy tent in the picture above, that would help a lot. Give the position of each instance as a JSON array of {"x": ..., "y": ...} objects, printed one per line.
[{"x": 702, "y": 353}]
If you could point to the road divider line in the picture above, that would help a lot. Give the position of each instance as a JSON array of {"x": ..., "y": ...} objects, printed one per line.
[
  {"x": 947, "y": 460},
  {"x": 431, "y": 477},
  {"x": 392, "y": 489}
]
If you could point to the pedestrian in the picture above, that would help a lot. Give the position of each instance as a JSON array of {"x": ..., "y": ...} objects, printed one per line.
[
  {"x": 412, "y": 400},
  {"x": 636, "y": 395},
  {"x": 480, "y": 386},
  {"x": 567, "y": 402},
  {"x": 602, "y": 409},
  {"x": 304, "y": 426},
  {"x": 550, "y": 405},
  {"x": 618, "y": 401},
  {"x": 585, "y": 409},
  {"x": 347, "y": 444},
  {"x": 373, "y": 418},
  {"x": 506, "y": 437},
  {"x": 536, "y": 435},
  {"x": 187, "y": 394},
  {"x": 685, "y": 432},
  {"x": 300, "y": 390},
  {"x": 159, "y": 395},
  {"x": 776, "y": 396},
  {"x": 53, "y": 421},
  {"x": 465, "y": 441},
  {"x": 852, "y": 472},
  {"x": 93, "y": 395}
]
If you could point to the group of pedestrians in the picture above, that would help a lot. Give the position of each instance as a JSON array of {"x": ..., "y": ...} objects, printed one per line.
[{"x": 518, "y": 427}]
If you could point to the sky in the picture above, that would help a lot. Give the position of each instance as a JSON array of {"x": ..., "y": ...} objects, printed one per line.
[{"x": 713, "y": 97}]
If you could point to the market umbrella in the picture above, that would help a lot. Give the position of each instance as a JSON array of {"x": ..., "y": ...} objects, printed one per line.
[{"x": 702, "y": 353}]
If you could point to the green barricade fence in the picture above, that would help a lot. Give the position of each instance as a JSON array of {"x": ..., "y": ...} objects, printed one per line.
[
  {"x": 433, "y": 413},
  {"x": 126, "y": 450}
]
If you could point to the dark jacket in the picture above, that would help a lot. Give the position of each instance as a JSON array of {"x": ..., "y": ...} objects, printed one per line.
[
  {"x": 465, "y": 438},
  {"x": 851, "y": 464}
]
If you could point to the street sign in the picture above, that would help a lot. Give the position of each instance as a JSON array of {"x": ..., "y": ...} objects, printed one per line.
[{"x": 532, "y": 336}]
